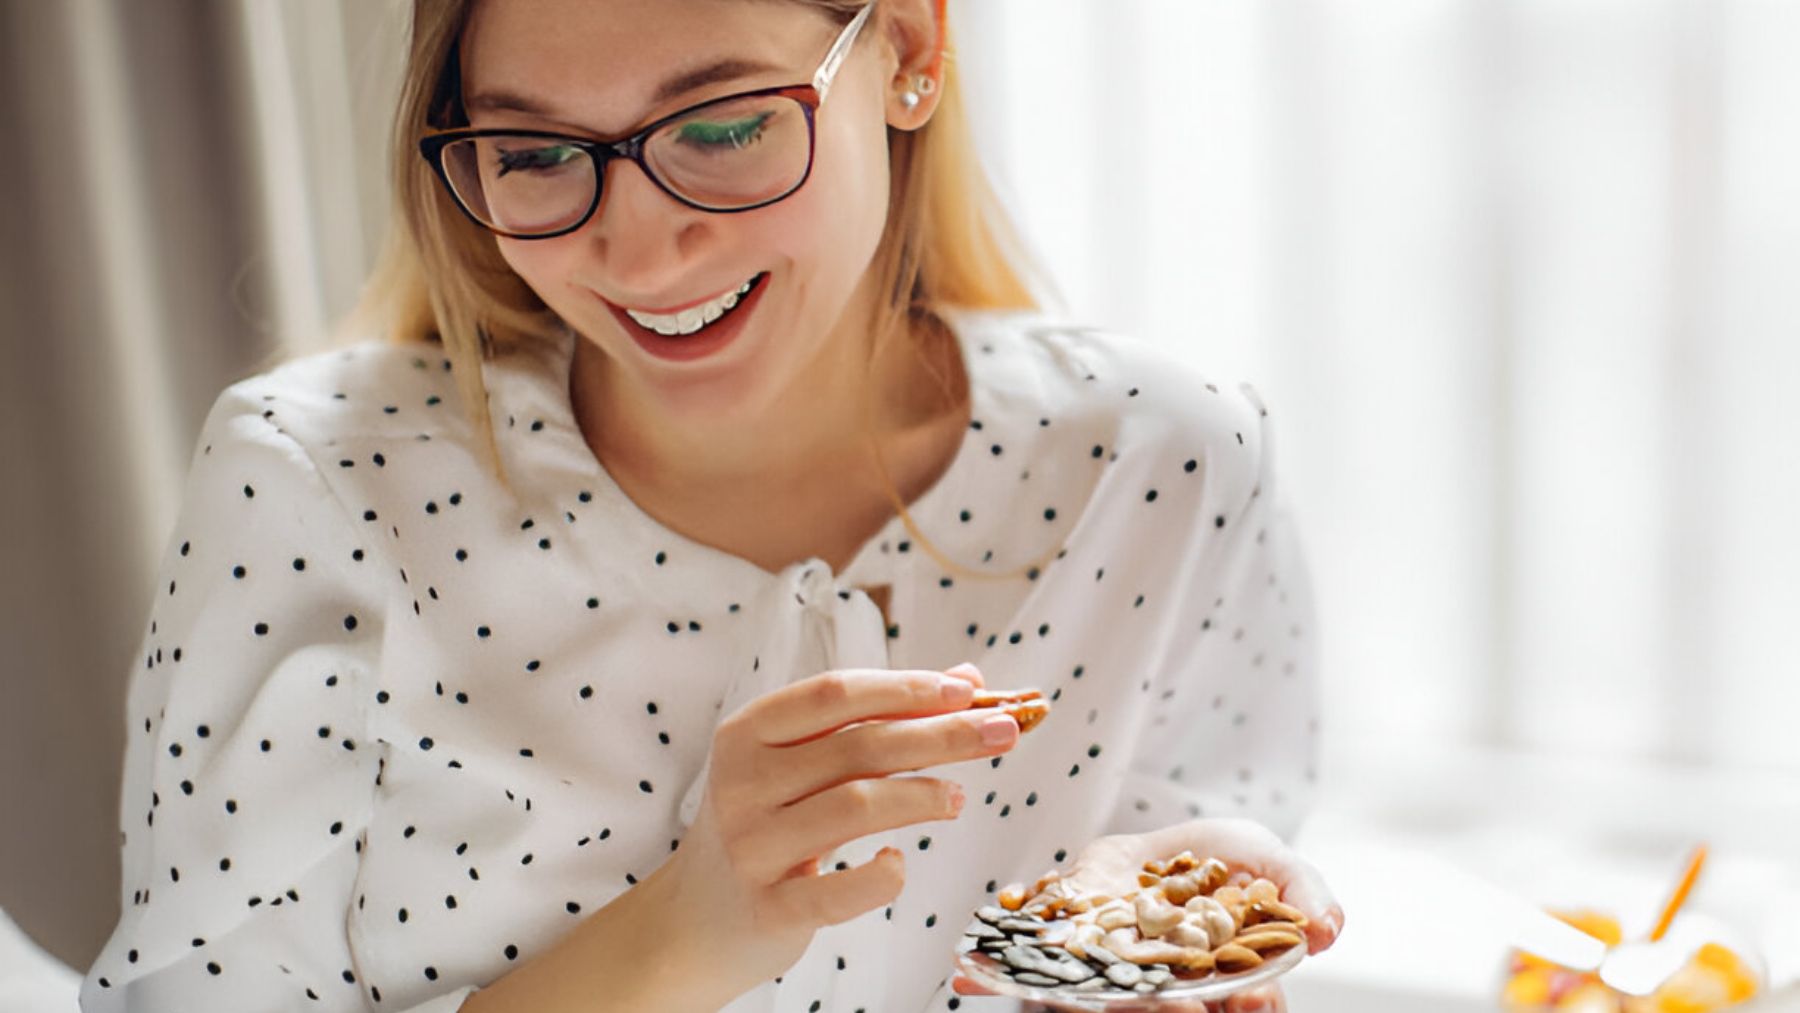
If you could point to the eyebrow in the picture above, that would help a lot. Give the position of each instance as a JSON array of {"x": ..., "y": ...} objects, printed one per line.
[{"x": 495, "y": 100}]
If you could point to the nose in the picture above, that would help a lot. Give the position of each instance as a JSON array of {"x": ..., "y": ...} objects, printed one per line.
[{"x": 643, "y": 237}]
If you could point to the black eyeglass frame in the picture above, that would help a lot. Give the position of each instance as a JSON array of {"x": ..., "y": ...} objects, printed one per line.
[{"x": 432, "y": 146}]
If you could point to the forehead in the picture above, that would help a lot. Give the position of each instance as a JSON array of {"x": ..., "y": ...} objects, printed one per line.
[{"x": 607, "y": 64}]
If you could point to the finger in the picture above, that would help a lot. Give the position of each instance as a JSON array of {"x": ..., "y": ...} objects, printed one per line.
[
  {"x": 1304, "y": 887},
  {"x": 1262, "y": 999},
  {"x": 826, "y": 702},
  {"x": 806, "y": 867},
  {"x": 830, "y": 819},
  {"x": 964, "y": 986},
  {"x": 837, "y": 897},
  {"x": 879, "y": 748},
  {"x": 967, "y": 670},
  {"x": 1321, "y": 932}
]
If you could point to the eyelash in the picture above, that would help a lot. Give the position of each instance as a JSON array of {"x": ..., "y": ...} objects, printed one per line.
[
  {"x": 511, "y": 161},
  {"x": 737, "y": 134}
]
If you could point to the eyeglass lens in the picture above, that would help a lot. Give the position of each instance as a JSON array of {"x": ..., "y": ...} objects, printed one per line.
[{"x": 734, "y": 153}]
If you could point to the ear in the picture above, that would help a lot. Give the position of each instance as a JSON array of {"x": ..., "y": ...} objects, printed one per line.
[{"x": 914, "y": 30}]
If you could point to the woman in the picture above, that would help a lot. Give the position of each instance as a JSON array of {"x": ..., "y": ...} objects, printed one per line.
[{"x": 524, "y": 659}]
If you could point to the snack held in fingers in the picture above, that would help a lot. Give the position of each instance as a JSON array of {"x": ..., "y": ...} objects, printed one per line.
[{"x": 1027, "y": 706}]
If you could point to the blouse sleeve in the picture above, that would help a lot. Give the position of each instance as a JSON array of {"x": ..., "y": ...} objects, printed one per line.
[
  {"x": 1232, "y": 729},
  {"x": 249, "y": 769}
]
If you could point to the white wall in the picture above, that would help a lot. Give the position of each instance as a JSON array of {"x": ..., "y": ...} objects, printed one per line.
[{"x": 1521, "y": 283}]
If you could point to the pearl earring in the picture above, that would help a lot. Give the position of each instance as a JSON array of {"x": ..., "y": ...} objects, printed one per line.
[{"x": 922, "y": 85}]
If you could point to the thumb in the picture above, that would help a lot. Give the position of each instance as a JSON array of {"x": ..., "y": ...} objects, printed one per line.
[
  {"x": 967, "y": 670},
  {"x": 1262, "y": 999}
]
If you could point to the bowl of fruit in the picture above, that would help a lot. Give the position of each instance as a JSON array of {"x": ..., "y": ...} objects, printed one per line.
[{"x": 1689, "y": 962}]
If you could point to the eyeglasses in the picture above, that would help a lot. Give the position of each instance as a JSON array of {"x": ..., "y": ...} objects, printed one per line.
[{"x": 736, "y": 153}]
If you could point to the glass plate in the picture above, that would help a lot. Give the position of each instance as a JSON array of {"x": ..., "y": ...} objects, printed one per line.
[{"x": 989, "y": 973}]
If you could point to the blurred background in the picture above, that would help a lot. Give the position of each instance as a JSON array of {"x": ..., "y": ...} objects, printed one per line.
[{"x": 1519, "y": 279}]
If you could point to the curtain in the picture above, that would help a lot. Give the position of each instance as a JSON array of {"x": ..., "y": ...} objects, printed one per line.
[{"x": 193, "y": 191}]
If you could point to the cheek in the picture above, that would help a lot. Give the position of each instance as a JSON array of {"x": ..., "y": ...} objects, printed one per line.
[
  {"x": 837, "y": 218},
  {"x": 541, "y": 263},
  {"x": 552, "y": 269}
]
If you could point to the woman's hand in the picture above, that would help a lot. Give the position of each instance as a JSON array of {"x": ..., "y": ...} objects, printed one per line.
[
  {"x": 1263, "y": 999},
  {"x": 1110, "y": 865},
  {"x": 801, "y": 771}
]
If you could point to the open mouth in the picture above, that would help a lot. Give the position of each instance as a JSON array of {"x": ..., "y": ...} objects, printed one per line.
[{"x": 696, "y": 319}]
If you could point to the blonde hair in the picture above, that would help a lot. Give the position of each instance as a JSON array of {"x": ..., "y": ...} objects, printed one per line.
[{"x": 440, "y": 277}]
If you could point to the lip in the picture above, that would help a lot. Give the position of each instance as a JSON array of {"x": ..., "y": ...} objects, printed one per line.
[
  {"x": 691, "y": 348},
  {"x": 672, "y": 310}
]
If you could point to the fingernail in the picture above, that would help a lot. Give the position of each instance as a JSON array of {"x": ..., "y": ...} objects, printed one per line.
[
  {"x": 957, "y": 692},
  {"x": 956, "y": 799},
  {"x": 998, "y": 729}
]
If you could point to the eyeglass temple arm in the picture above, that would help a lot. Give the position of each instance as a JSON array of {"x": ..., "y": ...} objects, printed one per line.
[{"x": 839, "y": 50}]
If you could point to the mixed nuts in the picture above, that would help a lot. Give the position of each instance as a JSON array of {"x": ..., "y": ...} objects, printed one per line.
[{"x": 1188, "y": 919}]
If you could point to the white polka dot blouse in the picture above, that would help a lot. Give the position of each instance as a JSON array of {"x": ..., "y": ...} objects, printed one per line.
[{"x": 394, "y": 730}]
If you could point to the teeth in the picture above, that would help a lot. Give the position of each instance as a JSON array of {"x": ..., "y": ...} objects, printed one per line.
[{"x": 694, "y": 318}]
